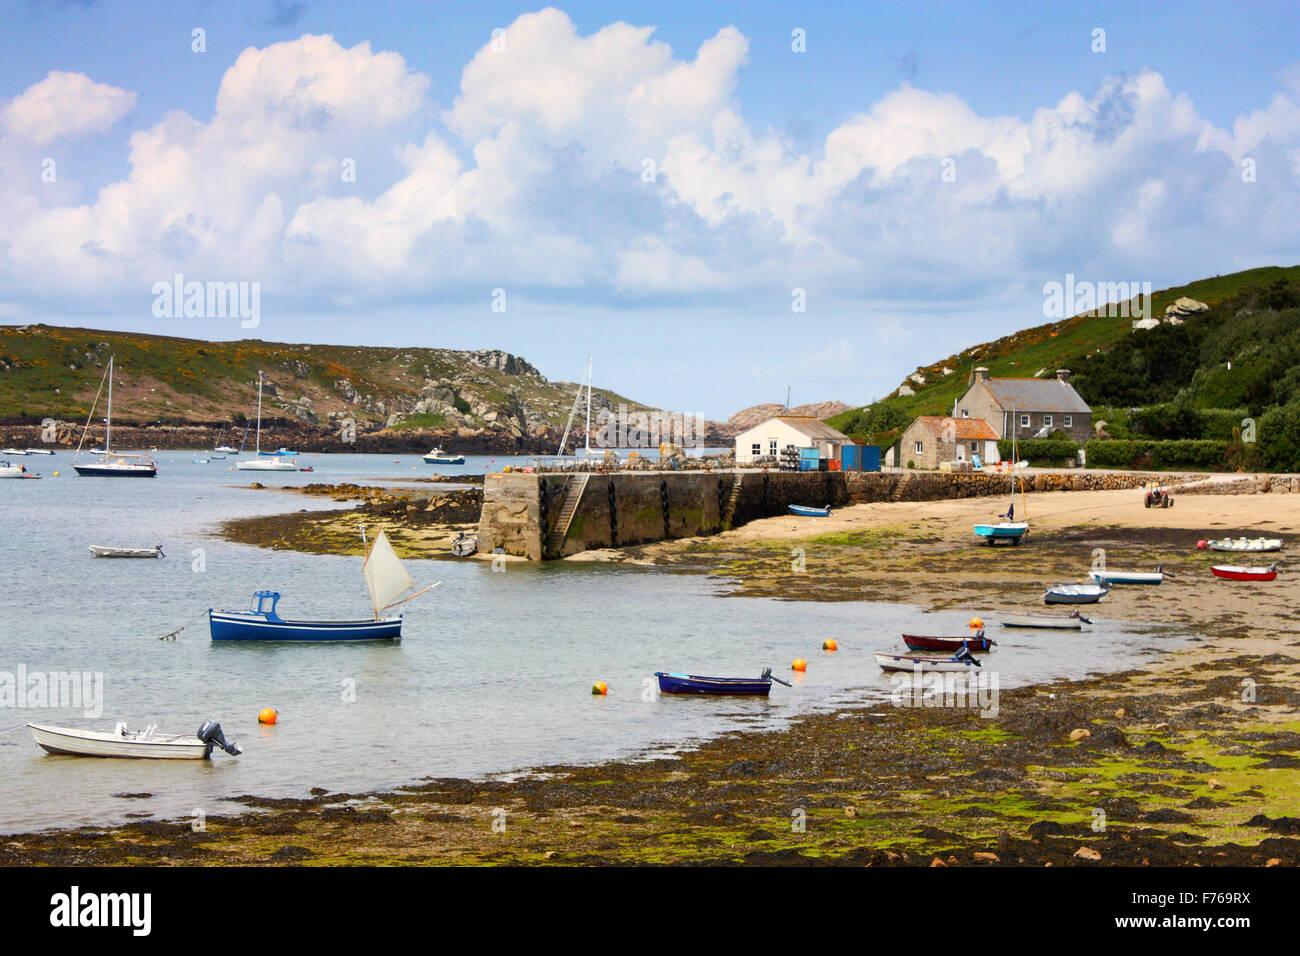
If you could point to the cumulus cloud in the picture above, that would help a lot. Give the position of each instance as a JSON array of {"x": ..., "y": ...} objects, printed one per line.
[
  {"x": 64, "y": 105},
  {"x": 610, "y": 168}
]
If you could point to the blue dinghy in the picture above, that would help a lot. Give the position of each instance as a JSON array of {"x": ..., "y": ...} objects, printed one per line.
[
  {"x": 718, "y": 686},
  {"x": 808, "y": 512}
]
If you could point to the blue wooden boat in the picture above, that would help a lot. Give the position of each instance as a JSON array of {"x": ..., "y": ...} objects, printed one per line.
[
  {"x": 717, "y": 686},
  {"x": 808, "y": 512},
  {"x": 1011, "y": 531},
  {"x": 261, "y": 622}
]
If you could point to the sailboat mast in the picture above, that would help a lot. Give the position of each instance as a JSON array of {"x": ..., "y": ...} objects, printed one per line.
[
  {"x": 108, "y": 422},
  {"x": 588, "y": 406},
  {"x": 259, "y": 411}
]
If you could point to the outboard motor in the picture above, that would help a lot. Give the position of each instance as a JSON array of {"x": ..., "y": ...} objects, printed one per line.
[
  {"x": 964, "y": 654},
  {"x": 210, "y": 733}
]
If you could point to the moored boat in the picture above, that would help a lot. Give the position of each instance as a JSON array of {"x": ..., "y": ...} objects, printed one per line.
[
  {"x": 439, "y": 457},
  {"x": 960, "y": 661},
  {"x": 1073, "y": 622},
  {"x": 120, "y": 742},
  {"x": 1107, "y": 577},
  {"x": 464, "y": 545},
  {"x": 276, "y": 461},
  {"x": 112, "y": 464},
  {"x": 976, "y": 644},
  {"x": 807, "y": 511},
  {"x": 101, "y": 551},
  {"x": 1242, "y": 545},
  {"x": 1235, "y": 572},
  {"x": 1075, "y": 594},
  {"x": 1011, "y": 531},
  {"x": 670, "y": 683},
  {"x": 9, "y": 470},
  {"x": 39, "y": 451}
]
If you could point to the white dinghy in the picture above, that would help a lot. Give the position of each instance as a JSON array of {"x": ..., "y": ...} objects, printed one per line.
[
  {"x": 121, "y": 742},
  {"x": 103, "y": 551}
]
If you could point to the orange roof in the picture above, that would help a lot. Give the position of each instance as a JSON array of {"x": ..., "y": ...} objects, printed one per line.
[{"x": 958, "y": 429}]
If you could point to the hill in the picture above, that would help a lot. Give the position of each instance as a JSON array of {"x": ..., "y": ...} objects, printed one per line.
[
  {"x": 1117, "y": 367},
  {"x": 755, "y": 414},
  {"x": 51, "y": 371}
]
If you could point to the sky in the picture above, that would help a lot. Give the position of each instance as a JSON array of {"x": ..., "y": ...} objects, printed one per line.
[{"x": 717, "y": 201}]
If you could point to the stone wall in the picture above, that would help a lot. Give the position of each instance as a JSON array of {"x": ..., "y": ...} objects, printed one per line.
[{"x": 622, "y": 509}]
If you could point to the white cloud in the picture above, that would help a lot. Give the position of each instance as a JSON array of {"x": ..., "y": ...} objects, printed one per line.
[{"x": 64, "y": 105}]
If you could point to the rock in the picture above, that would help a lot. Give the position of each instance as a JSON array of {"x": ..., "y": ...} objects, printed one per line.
[
  {"x": 1214, "y": 784},
  {"x": 851, "y": 812},
  {"x": 1273, "y": 861},
  {"x": 1087, "y": 853},
  {"x": 1161, "y": 728},
  {"x": 1119, "y": 714},
  {"x": 937, "y": 862},
  {"x": 1079, "y": 733},
  {"x": 981, "y": 857},
  {"x": 904, "y": 390}
]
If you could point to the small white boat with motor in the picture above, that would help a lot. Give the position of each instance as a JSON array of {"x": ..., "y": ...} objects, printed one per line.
[
  {"x": 101, "y": 551},
  {"x": 9, "y": 470},
  {"x": 121, "y": 742},
  {"x": 39, "y": 451},
  {"x": 1242, "y": 545},
  {"x": 1075, "y": 594},
  {"x": 963, "y": 660},
  {"x": 1106, "y": 577},
  {"x": 1073, "y": 622}
]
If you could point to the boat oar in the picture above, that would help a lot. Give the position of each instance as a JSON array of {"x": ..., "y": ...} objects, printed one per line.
[{"x": 767, "y": 675}]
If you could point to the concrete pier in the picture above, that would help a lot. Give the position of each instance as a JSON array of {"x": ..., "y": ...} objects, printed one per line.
[{"x": 547, "y": 516}]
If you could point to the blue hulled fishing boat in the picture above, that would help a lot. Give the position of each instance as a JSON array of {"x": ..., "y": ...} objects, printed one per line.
[
  {"x": 717, "y": 686},
  {"x": 807, "y": 512},
  {"x": 386, "y": 580}
]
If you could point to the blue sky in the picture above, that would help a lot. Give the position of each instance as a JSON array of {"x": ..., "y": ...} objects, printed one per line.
[{"x": 521, "y": 166}]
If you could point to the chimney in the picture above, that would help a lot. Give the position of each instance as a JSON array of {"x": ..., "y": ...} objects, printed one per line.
[
  {"x": 1063, "y": 374},
  {"x": 981, "y": 374}
]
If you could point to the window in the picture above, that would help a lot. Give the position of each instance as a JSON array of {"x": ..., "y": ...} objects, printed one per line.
[
  {"x": 1067, "y": 420},
  {"x": 771, "y": 447},
  {"x": 974, "y": 448},
  {"x": 1024, "y": 421},
  {"x": 756, "y": 450},
  {"x": 1047, "y": 421},
  {"x": 965, "y": 413},
  {"x": 919, "y": 448}
]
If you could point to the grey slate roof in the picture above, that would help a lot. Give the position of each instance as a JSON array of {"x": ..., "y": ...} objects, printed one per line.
[{"x": 1037, "y": 395}]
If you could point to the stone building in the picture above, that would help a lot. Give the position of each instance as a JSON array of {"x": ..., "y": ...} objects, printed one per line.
[
  {"x": 1026, "y": 407},
  {"x": 933, "y": 439}
]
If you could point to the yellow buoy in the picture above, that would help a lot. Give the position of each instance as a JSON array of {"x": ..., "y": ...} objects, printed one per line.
[
  {"x": 599, "y": 688},
  {"x": 269, "y": 715},
  {"x": 56, "y": 474},
  {"x": 976, "y": 624},
  {"x": 798, "y": 665},
  {"x": 830, "y": 645}
]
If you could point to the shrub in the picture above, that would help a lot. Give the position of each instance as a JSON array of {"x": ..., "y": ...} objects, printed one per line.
[
  {"x": 1197, "y": 455},
  {"x": 1043, "y": 452}
]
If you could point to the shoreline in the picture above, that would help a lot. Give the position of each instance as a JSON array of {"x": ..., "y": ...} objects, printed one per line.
[{"x": 1184, "y": 770}]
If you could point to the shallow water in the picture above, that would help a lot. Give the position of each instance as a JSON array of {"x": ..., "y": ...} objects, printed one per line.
[{"x": 494, "y": 672}]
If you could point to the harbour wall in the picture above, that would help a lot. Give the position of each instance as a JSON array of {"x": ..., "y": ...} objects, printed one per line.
[{"x": 546, "y": 516}]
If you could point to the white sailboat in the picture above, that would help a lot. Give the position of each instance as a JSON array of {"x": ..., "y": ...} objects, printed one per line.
[
  {"x": 586, "y": 454},
  {"x": 112, "y": 464},
  {"x": 1011, "y": 529},
  {"x": 262, "y": 463}
]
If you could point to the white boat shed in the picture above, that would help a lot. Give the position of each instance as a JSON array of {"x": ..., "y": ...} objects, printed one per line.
[{"x": 765, "y": 441}]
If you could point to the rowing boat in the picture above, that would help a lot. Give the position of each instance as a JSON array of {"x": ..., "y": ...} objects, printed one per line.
[
  {"x": 1073, "y": 622},
  {"x": 1108, "y": 577},
  {"x": 716, "y": 686},
  {"x": 147, "y": 743},
  {"x": 808, "y": 512},
  {"x": 1243, "y": 545},
  {"x": 1075, "y": 594},
  {"x": 103, "y": 551},
  {"x": 1235, "y": 572},
  {"x": 978, "y": 644},
  {"x": 961, "y": 661}
]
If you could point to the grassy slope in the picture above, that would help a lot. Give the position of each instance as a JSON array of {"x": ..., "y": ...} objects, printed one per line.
[
  {"x": 46, "y": 370},
  {"x": 1055, "y": 344}
]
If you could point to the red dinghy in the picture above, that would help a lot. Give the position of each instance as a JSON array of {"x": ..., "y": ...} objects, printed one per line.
[
  {"x": 978, "y": 643},
  {"x": 1235, "y": 572}
]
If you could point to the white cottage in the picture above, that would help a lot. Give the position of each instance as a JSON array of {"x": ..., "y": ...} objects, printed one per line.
[{"x": 764, "y": 442}]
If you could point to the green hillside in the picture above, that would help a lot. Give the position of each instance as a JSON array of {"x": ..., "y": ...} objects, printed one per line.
[
  {"x": 1115, "y": 367},
  {"x": 56, "y": 372}
]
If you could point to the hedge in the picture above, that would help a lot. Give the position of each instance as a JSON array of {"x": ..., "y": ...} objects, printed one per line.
[
  {"x": 1175, "y": 421},
  {"x": 1040, "y": 451},
  {"x": 1196, "y": 454}
]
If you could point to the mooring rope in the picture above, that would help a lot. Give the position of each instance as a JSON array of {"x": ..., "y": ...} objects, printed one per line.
[{"x": 172, "y": 636}]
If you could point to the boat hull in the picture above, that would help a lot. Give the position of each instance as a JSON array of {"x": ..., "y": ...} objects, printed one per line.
[
  {"x": 266, "y": 464},
  {"x": 437, "y": 460},
  {"x": 1043, "y": 623},
  {"x": 1011, "y": 531},
  {"x": 68, "y": 741},
  {"x": 1107, "y": 578},
  {"x": 1237, "y": 573},
  {"x": 247, "y": 626},
  {"x": 806, "y": 512},
  {"x": 919, "y": 642},
  {"x": 924, "y": 663},
  {"x": 1246, "y": 545},
  {"x": 1075, "y": 594},
  {"x": 119, "y": 471},
  {"x": 712, "y": 686},
  {"x": 100, "y": 551}
]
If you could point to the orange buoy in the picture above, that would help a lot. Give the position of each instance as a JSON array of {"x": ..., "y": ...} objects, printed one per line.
[
  {"x": 799, "y": 665},
  {"x": 269, "y": 715},
  {"x": 599, "y": 688},
  {"x": 830, "y": 645},
  {"x": 976, "y": 624}
]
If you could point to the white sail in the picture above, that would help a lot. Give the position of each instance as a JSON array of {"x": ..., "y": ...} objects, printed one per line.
[{"x": 385, "y": 577}]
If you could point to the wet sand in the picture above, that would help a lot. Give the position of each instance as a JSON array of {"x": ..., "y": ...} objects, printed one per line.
[{"x": 1188, "y": 761}]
